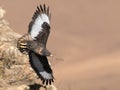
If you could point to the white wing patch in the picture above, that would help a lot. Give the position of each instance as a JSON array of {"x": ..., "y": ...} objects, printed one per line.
[
  {"x": 46, "y": 75},
  {"x": 37, "y": 26}
]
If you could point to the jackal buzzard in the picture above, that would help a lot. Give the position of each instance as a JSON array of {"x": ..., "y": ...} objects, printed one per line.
[{"x": 34, "y": 43}]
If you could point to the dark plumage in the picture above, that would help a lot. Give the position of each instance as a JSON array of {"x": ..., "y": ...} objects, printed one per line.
[{"x": 41, "y": 65}]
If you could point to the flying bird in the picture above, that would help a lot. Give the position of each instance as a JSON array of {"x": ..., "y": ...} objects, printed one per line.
[{"x": 34, "y": 44}]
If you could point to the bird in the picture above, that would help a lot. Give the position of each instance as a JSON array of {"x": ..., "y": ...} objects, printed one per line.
[{"x": 34, "y": 44}]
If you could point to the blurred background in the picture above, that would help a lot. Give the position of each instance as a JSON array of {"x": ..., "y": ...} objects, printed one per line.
[{"x": 84, "y": 39}]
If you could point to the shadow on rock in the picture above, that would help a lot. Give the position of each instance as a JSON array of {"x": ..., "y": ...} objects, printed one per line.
[{"x": 35, "y": 86}]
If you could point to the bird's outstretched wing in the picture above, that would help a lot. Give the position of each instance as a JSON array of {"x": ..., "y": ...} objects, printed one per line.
[
  {"x": 39, "y": 29},
  {"x": 41, "y": 66}
]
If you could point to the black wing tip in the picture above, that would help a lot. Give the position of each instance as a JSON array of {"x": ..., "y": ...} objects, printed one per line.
[
  {"x": 41, "y": 9},
  {"x": 47, "y": 81}
]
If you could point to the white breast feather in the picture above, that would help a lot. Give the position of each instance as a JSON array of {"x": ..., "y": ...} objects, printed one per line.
[{"x": 37, "y": 26}]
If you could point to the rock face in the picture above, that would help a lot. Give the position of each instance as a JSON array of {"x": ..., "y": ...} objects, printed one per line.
[
  {"x": 2, "y": 12},
  {"x": 14, "y": 66}
]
